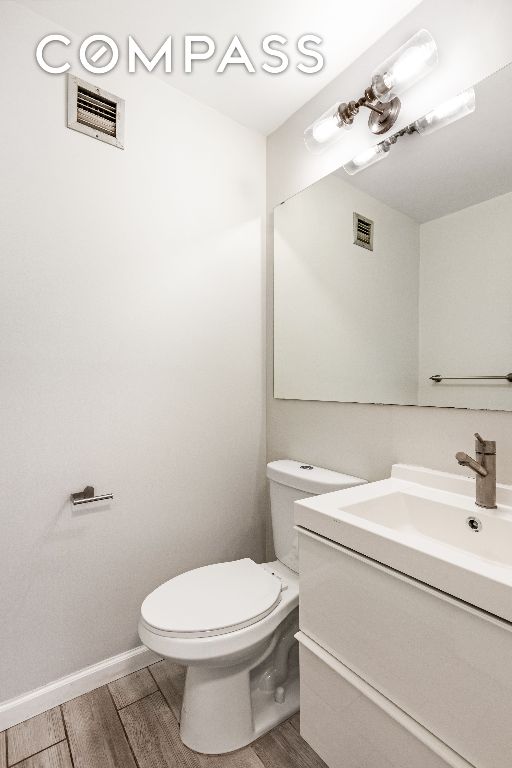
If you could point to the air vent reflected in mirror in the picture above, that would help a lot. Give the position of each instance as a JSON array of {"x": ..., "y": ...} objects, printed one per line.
[
  {"x": 95, "y": 112},
  {"x": 363, "y": 231}
]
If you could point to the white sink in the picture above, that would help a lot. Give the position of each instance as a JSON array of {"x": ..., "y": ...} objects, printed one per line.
[
  {"x": 425, "y": 524},
  {"x": 423, "y": 515}
]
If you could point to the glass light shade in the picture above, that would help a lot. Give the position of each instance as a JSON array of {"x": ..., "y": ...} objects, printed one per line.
[
  {"x": 448, "y": 112},
  {"x": 365, "y": 158},
  {"x": 325, "y": 131},
  {"x": 415, "y": 59}
]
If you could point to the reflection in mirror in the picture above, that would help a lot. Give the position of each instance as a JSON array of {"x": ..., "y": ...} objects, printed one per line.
[{"x": 403, "y": 272}]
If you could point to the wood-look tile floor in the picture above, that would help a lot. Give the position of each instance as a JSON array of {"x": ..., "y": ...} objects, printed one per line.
[{"x": 134, "y": 723}]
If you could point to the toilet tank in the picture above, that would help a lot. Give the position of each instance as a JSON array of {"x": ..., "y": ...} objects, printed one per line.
[{"x": 289, "y": 482}]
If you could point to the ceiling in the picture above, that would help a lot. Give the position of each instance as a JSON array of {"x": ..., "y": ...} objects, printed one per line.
[
  {"x": 260, "y": 101},
  {"x": 465, "y": 163}
]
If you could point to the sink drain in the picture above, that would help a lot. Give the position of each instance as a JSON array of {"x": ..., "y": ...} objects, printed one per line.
[{"x": 474, "y": 523}]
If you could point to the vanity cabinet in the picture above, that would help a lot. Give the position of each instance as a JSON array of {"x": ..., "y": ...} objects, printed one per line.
[
  {"x": 396, "y": 673},
  {"x": 351, "y": 725}
]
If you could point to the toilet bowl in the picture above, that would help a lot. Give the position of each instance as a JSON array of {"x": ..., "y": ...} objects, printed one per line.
[{"x": 233, "y": 626}]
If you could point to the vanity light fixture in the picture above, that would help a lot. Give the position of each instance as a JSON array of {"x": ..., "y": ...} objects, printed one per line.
[
  {"x": 448, "y": 112},
  {"x": 415, "y": 59}
]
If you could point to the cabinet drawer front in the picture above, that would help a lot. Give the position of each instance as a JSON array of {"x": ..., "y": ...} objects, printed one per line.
[
  {"x": 446, "y": 664},
  {"x": 350, "y": 725}
]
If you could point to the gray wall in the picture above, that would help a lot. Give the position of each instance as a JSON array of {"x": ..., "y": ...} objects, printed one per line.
[{"x": 132, "y": 350}]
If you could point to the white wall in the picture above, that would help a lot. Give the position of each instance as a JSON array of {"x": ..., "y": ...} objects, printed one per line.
[
  {"x": 469, "y": 307},
  {"x": 365, "y": 440},
  {"x": 339, "y": 333},
  {"x": 132, "y": 331}
]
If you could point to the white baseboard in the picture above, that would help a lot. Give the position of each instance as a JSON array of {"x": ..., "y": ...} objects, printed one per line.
[{"x": 34, "y": 702}]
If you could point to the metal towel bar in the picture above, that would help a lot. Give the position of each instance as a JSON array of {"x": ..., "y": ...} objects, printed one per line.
[
  {"x": 87, "y": 496},
  {"x": 437, "y": 378}
]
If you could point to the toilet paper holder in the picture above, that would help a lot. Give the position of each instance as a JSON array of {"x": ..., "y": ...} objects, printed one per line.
[{"x": 87, "y": 496}]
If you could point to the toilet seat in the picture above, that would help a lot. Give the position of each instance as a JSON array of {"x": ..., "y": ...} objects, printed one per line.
[{"x": 213, "y": 600}]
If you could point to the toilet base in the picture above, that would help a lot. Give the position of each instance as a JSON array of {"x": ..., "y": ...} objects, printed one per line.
[{"x": 222, "y": 713}]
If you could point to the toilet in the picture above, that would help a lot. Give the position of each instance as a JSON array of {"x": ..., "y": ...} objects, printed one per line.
[{"x": 233, "y": 626}]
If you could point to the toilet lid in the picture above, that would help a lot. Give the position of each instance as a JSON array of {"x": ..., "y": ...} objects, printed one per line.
[{"x": 212, "y": 600}]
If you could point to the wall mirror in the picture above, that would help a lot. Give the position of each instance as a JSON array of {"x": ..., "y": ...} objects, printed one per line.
[{"x": 434, "y": 296}]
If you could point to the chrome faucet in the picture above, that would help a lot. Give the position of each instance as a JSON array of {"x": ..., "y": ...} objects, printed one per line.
[{"x": 485, "y": 469}]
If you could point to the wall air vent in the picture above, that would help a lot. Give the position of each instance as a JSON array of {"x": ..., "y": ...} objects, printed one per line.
[
  {"x": 95, "y": 112},
  {"x": 363, "y": 231}
]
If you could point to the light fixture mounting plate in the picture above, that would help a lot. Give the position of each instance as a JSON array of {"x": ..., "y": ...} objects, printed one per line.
[{"x": 382, "y": 121}]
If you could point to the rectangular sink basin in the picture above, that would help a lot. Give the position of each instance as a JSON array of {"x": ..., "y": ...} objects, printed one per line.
[
  {"x": 415, "y": 515},
  {"x": 425, "y": 524}
]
